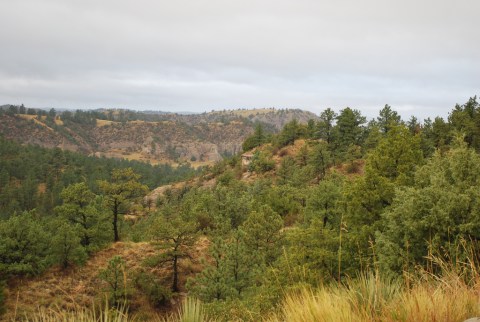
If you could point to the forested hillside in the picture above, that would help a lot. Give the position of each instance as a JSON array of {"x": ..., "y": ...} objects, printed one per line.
[{"x": 337, "y": 219}]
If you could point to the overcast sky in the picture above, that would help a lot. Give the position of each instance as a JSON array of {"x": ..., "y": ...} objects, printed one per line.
[{"x": 419, "y": 56}]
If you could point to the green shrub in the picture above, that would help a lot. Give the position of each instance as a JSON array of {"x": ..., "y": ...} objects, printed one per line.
[
  {"x": 151, "y": 286},
  {"x": 260, "y": 163},
  {"x": 116, "y": 277}
]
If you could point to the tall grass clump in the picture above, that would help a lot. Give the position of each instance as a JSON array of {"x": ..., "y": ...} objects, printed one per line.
[
  {"x": 191, "y": 311},
  {"x": 360, "y": 299},
  {"x": 102, "y": 314},
  {"x": 450, "y": 292}
]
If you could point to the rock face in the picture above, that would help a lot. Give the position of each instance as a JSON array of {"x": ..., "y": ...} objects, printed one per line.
[{"x": 169, "y": 138}]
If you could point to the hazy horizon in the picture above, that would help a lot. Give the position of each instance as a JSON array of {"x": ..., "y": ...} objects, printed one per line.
[{"x": 196, "y": 56}]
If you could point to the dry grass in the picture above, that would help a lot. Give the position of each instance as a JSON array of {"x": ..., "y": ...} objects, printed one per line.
[
  {"x": 132, "y": 156},
  {"x": 450, "y": 297},
  {"x": 191, "y": 310},
  {"x": 102, "y": 314},
  {"x": 361, "y": 300},
  {"x": 75, "y": 292},
  {"x": 26, "y": 116},
  {"x": 58, "y": 120},
  {"x": 450, "y": 294},
  {"x": 197, "y": 164},
  {"x": 36, "y": 120},
  {"x": 101, "y": 123},
  {"x": 76, "y": 288},
  {"x": 143, "y": 157}
]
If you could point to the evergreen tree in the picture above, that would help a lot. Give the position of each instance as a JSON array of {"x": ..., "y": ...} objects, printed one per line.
[
  {"x": 323, "y": 203},
  {"x": 320, "y": 159},
  {"x": 214, "y": 282},
  {"x": 286, "y": 170},
  {"x": 119, "y": 192},
  {"x": 174, "y": 235},
  {"x": 22, "y": 109},
  {"x": 80, "y": 209},
  {"x": 465, "y": 119},
  {"x": 310, "y": 256},
  {"x": 115, "y": 277},
  {"x": 348, "y": 130},
  {"x": 256, "y": 139},
  {"x": 434, "y": 215},
  {"x": 388, "y": 118},
  {"x": 66, "y": 248},
  {"x": 302, "y": 156},
  {"x": 396, "y": 156},
  {"x": 290, "y": 132},
  {"x": 311, "y": 129},
  {"x": 242, "y": 264},
  {"x": 262, "y": 234},
  {"x": 24, "y": 245},
  {"x": 413, "y": 125},
  {"x": 325, "y": 125},
  {"x": 392, "y": 164}
]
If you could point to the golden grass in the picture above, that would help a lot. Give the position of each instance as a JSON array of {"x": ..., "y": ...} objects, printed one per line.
[
  {"x": 190, "y": 311},
  {"x": 58, "y": 121},
  {"x": 36, "y": 120},
  {"x": 101, "y": 123},
  {"x": 450, "y": 294},
  {"x": 76, "y": 288},
  {"x": 26, "y": 116},
  {"x": 367, "y": 298},
  {"x": 138, "y": 156},
  {"x": 104, "y": 314},
  {"x": 370, "y": 299},
  {"x": 197, "y": 164}
]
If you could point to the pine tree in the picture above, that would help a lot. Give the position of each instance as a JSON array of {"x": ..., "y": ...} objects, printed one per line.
[
  {"x": 66, "y": 248},
  {"x": 80, "y": 208},
  {"x": 262, "y": 233},
  {"x": 175, "y": 236},
  {"x": 123, "y": 188},
  {"x": 325, "y": 125},
  {"x": 349, "y": 130},
  {"x": 25, "y": 245},
  {"x": 435, "y": 214},
  {"x": 214, "y": 282},
  {"x": 286, "y": 170},
  {"x": 320, "y": 159},
  {"x": 115, "y": 276},
  {"x": 388, "y": 118}
]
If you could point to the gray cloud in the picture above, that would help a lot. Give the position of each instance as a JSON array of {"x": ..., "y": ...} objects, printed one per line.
[{"x": 421, "y": 57}]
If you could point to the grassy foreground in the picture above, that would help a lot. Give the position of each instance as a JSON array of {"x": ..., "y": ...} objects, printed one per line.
[
  {"x": 370, "y": 298},
  {"x": 451, "y": 294},
  {"x": 191, "y": 311}
]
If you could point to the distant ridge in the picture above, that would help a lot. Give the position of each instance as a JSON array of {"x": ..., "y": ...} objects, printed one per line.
[{"x": 149, "y": 136}]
